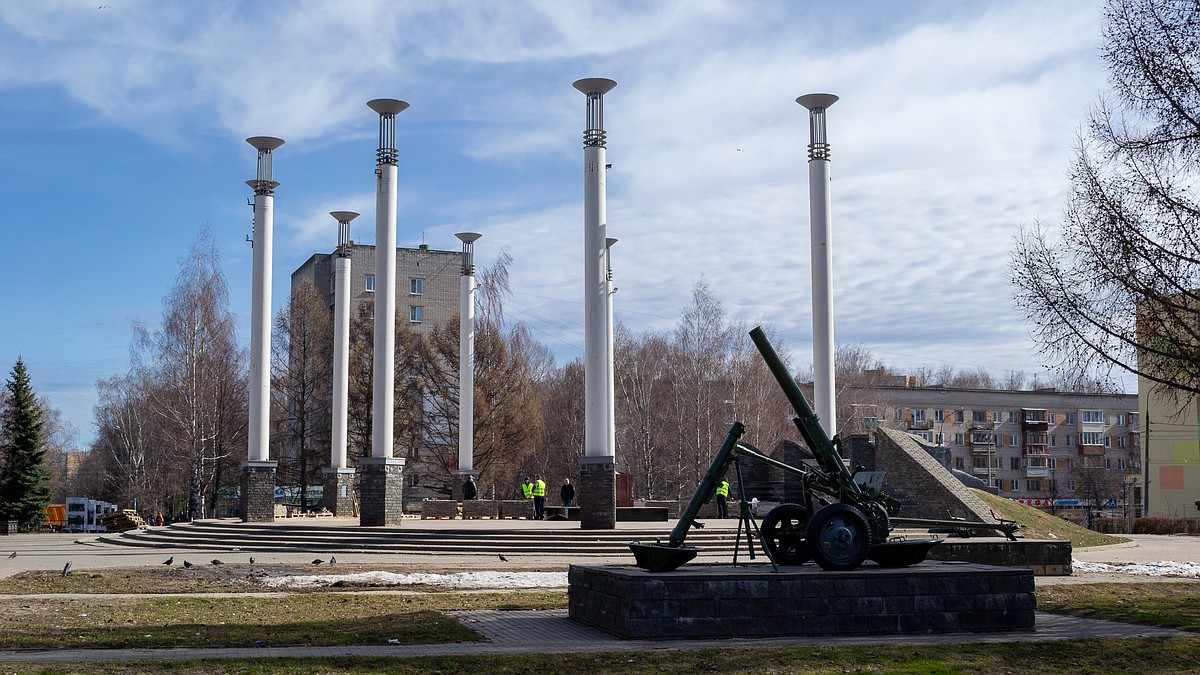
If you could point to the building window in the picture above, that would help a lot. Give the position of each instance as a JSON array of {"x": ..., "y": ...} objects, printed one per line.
[
  {"x": 1014, "y": 463},
  {"x": 1070, "y": 418},
  {"x": 416, "y": 286},
  {"x": 1091, "y": 438},
  {"x": 1053, "y": 463},
  {"x": 1107, "y": 442},
  {"x": 998, "y": 417},
  {"x": 899, "y": 414},
  {"x": 978, "y": 415},
  {"x": 927, "y": 435},
  {"x": 958, "y": 416},
  {"x": 1014, "y": 440},
  {"x": 958, "y": 463},
  {"x": 1092, "y": 416},
  {"x": 939, "y": 415},
  {"x": 1120, "y": 463},
  {"x": 1133, "y": 419},
  {"x": 960, "y": 439},
  {"x": 1071, "y": 441},
  {"x": 1053, "y": 440},
  {"x": 1107, "y": 463},
  {"x": 940, "y": 438},
  {"x": 370, "y": 283},
  {"x": 416, "y": 314},
  {"x": 1071, "y": 464},
  {"x": 1016, "y": 485},
  {"x": 1121, "y": 442},
  {"x": 918, "y": 415},
  {"x": 1071, "y": 486}
]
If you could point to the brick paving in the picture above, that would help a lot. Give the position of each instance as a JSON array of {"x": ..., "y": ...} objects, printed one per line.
[{"x": 551, "y": 632}]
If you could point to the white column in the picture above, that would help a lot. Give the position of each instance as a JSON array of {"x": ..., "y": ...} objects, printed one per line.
[
  {"x": 821, "y": 233},
  {"x": 596, "y": 352},
  {"x": 611, "y": 411},
  {"x": 260, "y": 304},
  {"x": 384, "y": 363},
  {"x": 341, "y": 340},
  {"x": 466, "y": 355}
]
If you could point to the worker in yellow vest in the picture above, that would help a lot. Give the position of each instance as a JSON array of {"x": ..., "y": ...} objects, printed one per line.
[
  {"x": 527, "y": 488},
  {"x": 722, "y": 495},
  {"x": 539, "y": 496}
]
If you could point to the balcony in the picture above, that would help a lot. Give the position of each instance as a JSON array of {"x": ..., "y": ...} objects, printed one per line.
[
  {"x": 980, "y": 471},
  {"x": 1091, "y": 450},
  {"x": 920, "y": 425},
  {"x": 981, "y": 425},
  {"x": 1034, "y": 449},
  {"x": 1037, "y": 472}
]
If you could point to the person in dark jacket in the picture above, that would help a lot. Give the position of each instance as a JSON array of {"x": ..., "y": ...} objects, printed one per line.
[
  {"x": 568, "y": 493},
  {"x": 470, "y": 489}
]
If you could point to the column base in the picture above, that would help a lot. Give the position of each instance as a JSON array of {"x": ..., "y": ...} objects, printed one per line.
[
  {"x": 381, "y": 501},
  {"x": 597, "y": 494},
  {"x": 257, "y": 501},
  {"x": 339, "y": 491}
]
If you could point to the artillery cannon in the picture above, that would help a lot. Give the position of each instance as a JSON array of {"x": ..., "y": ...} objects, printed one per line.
[{"x": 843, "y": 517}]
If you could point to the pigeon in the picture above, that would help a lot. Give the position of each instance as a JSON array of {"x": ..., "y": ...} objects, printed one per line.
[
  {"x": 217, "y": 562},
  {"x": 251, "y": 560},
  {"x": 66, "y": 569},
  {"x": 318, "y": 561},
  {"x": 12, "y": 555},
  {"x": 187, "y": 564},
  {"x": 168, "y": 561},
  {"x": 503, "y": 559},
  {"x": 332, "y": 560}
]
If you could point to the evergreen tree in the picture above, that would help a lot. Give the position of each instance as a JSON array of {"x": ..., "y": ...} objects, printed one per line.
[{"x": 25, "y": 481}]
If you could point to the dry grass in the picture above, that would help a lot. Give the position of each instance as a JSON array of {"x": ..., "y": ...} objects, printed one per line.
[
  {"x": 1170, "y": 605},
  {"x": 1040, "y": 525}
]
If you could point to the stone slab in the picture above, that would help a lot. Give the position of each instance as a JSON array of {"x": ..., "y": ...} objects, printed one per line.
[
  {"x": 717, "y": 601},
  {"x": 1044, "y": 557}
]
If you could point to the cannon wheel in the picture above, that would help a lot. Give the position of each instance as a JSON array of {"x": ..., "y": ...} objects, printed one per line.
[
  {"x": 838, "y": 537},
  {"x": 783, "y": 531}
]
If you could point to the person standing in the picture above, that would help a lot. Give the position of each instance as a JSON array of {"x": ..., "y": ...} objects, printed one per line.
[
  {"x": 722, "y": 495},
  {"x": 470, "y": 489},
  {"x": 568, "y": 493},
  {"x": 527, "y": 489},
  {"x": 539, "y": 496}
]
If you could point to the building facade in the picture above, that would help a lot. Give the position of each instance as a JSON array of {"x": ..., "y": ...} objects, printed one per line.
[
  {"x": 1172, "y": 469},
  {"x": 1061, "y": 451}
]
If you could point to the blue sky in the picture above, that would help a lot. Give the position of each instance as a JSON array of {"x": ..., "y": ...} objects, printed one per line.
[{"x": 122, "y": 130}]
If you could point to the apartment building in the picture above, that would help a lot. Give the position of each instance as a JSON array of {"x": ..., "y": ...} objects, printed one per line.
[{"x": 1058, "y": 451}]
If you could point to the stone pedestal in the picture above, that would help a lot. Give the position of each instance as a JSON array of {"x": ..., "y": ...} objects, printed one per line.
[
  {"x": 382, "y": 490},
  {"x": 723, "y": 601},
  {"x": 457, "y": 484},
  {"x": 339, "y": 491},
  {"x": 597, "y": 493},
  {"x": 258, "y": 491}
]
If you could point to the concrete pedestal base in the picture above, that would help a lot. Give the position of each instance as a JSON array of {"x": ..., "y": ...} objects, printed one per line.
[
  {"x": 752, "y": 601},
  {"x": 382, "y": 486},
  {"x": 597, "y": 493},
  {"x": 339, "y": 491},
  {"x": 258, "y": 491}
]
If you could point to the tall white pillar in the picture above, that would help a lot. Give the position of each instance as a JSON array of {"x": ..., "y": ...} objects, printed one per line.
[
  {"x": 341, "y": 339},
  {"x": 821, "y": 232},
  {"x": 611, "y": 404},
  {"x": 597, "y": 468},
  {"x": 384, "y": 364},
  {"x": 466, "y": 355},
  {"x": 260, "y": 307},
  {"x": 596, "y": 352}
]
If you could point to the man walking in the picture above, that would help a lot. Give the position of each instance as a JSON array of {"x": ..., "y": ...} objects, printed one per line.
[{"x": 568, "y": 493}]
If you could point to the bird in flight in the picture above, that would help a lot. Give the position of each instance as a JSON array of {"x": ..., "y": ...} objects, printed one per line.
[
  {"x": 168, "y": 561},
  {"x": 66, "y": 569}
]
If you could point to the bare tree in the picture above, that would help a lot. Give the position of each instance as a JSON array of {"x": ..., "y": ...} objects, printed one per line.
[
  {"x": 195, "y": 370},
  {"x": 303, "y": 377},
  {"x": 1116, "y": 289}
]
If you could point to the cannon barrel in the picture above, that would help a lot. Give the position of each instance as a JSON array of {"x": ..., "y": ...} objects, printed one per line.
[{"x": 819, "y": 443}]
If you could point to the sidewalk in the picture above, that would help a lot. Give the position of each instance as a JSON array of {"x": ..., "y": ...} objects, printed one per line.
[{"x": 551, "y": 632}]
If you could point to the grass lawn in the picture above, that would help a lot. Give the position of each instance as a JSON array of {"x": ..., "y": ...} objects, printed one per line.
[
  {"x": 1040, "y": 525},
  {"x": 1171, "y": 605}
]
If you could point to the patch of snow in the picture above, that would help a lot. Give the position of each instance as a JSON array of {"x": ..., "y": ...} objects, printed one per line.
[
  {"x": 1163, "y": 568},
  {"x": 456, "y": 580}
]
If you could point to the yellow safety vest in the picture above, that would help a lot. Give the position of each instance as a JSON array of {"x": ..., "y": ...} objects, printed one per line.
[
  {"x": 539, "y": 488},
  {"x": 527, "y": 490},
  {"x": 723, "y": 489}
]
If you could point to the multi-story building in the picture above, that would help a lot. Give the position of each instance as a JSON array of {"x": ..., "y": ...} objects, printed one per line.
[
  {"x": 427, "y": 282},
  {"x": 1172, "y": 473},
  {"x": 1046, "y": 448},
  {"x": 427, "y": 293}
]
